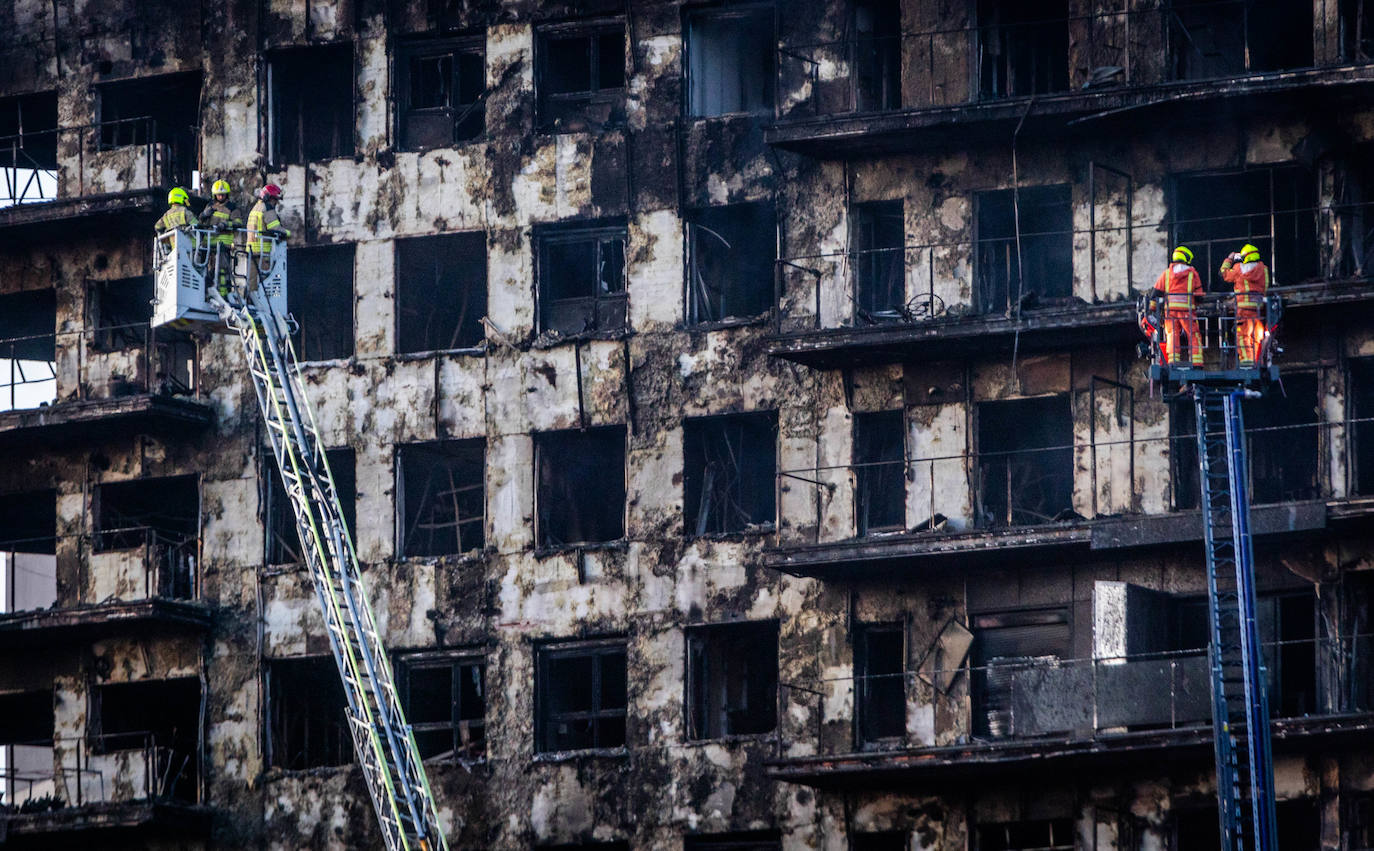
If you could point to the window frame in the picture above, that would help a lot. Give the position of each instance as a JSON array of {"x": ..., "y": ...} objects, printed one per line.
[
  {"x": 542, "y": 545},
  {"x": 580, "y": 101},
  {"x": 600, "y": 233},
  {"x": 457, "y": 663},
  {"x": 740, "y": 11},
  {"x": 863, "y": 696},
  {"x": 449, "y": 448},
  {"x": 696, "y": 430},
  {"x": 696, "y": 715},
  {"x": 544, "y": 718},
  {"x": 458, "y": 113},
  {"x": 691, "y": 224}
]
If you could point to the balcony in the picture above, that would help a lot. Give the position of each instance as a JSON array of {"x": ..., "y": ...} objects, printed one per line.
[{"x": 1034, "y": 69}]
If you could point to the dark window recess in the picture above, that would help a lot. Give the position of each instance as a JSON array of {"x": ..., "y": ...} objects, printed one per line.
[
  {"x": 310, "y": 107},
  {"x": 121, "y": 310},
  {"x": 745, "y": 840},
  {"x": 1298, "y": 826},
  {"x": 1023, "y": 48},
  {"x": 441, "y": 292},
  {"x": 1037, "y": 835},
  {"x": 1208, "y": 39},
  {"x": 1183, "y": 455},
  {"x": 321, "y": 299},
  {"x": 1003, "y": 645},
  {"x": 582, "y": 279},
  {"x": 879, "y": 472},
  {"x": 877, "y": 55},
  {"x": 441, "y": 92},
  {"x": 28, "y": 349},
  {"x": 879, "y": 260},
  {"x": 1288, "y": 629},
  {"x": 732, "y": 679},
  {"x": 446, "y": 703},
  {"x": 580, "y": 486},
  {"x": 154, "y": 110},
  {"x": 580, "y": 696},
  {"x": 1359, "y": 815},
  {"x": 730, "y": 60},
  {"x": 28, "y": 522},
  {"x": 163, "y": 715},
  {"x": 1361, "y": 397},
  {"x": 880, "y": 665},
  {"x": 27, "y": 123},
  {"x": 1352, "y": 255},
  {"x": 283, "y": 539},
  {"x": 1196, "y": 830},
  {"x": 306, "y": 722},
  {"x": 133, "y": 513},
  {"x": 582, "y": 77},
  {"x": 1025, "y": 461},
  {"x": 1273, "y": 208},
  {"x": 442, "y": 497},
  {"x": 1035, "y": 270},
  {"x": 1284, "y": 442},
  {"x": 888, "y": 840},
  {"x": 728, "y": 480},
  {"x": 26, "y": 718},
  {"x": 1357, "y": 30},
  {"x": 730, "y": 254}
]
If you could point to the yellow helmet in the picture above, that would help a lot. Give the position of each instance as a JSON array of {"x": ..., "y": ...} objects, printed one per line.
[
  {"x": 178, "y": 196},
  {"x": 1248, "y": 253},
  {"x": 1182, "y": 255},
  {"x": 221, "y": 187}
]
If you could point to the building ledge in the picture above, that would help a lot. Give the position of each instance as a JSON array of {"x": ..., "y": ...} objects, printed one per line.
[
  {"x": 83, "y": 624},
  {"x": 139, "y": 206},
  {"x": 142, "y": 818},
  {"x": 91, "y": 420}
]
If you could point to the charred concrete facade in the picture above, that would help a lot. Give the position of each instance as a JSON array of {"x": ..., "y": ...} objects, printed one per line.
[{"x": 739, "y": 403}]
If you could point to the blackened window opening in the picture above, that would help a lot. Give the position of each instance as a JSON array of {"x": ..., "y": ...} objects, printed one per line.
[
  {"x": 29, "y": 143},
  {"x": 877, "y": 55},
  {"x": 307, "y": 726},
  {"x": 1025, "y": 462},
  {"x": 283, "y": 538},
  {"x": 729, "y": 476},
  {"x": 582, "y": 77},
  {"x": 130, "y": 514},
  {"x": 1288, "y": 631},
  {"x": 321, "y": 299},
  {"x": 1353, "y": 234},
  {"x": 1037, "y": 835},
  {"x": 26, "y": 718},
  {"x": 1357, "y": 30},
  {"x": 446, "y": 704},
  {"x": 580, "y": 486},
  {"x": 880, "y": 472},
  {"x": 154, "y": 110},
  {"x": 1208, "y": 39},
  {"x": 582, "y": 279},
  {"x": 160, "y": 715},
  {"x": 730, "y": 254},
  {"x": 121, "y": 310},
  {"x": 879, "y": 261},
  {"x": 1023, "y": 48},
  {"x": 730, "y": 55},
  {"x": 1035, "y": 270},
  {"x": 580, "y": 694},
  {"x": 28, "y": 349},
  {"x": 441, "y": 292},
  {"x": 442, "y": 493},
  {"x": 1283, "y": 442},
  {"x": 441, "y": 93},
  {"x": 28, "y": 522},
  {"x": 1005, "y": 645},
  {"x": 1361, "y": 395},
  {"x": 310, "y": 116},
  {"x": 880, "y": 662},
  {"x": 1183, "y": 461},
  {"x": 732, "y": 680}
]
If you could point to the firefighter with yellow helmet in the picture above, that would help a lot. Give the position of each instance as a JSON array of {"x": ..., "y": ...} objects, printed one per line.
[
  {"x": 1249, "y": 278},
  {"x": 224, "y": 220}
]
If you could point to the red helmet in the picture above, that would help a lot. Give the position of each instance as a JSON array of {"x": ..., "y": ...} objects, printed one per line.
[{"x": 270, "y": 191}]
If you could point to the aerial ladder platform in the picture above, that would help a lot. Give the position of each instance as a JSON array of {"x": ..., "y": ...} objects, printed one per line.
[{"x": 191, "y": 269}]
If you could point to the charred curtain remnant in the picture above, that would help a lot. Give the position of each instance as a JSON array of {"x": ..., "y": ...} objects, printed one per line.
[
  {"x": 580, "y": 696},
  {"x": 442, "y": 88},
  {"x": 1284, "y": 442},
  {"x": 1362, "y": 411},
  {"x": 879, "y": 261},
  {"x": 28, "y": 349},
  {"x": 446, "y": 703},
  {"x": 321, "y": 299},
  {"x": 307, "y": 727},
  {"x": 877, "y": 28},
  {"x": 1005, "y": 644},
  {"x": 880, "y": 695},
  {"x": 730, "y": 54},
  {"x": 28, "y": 148},
  {"x": 160, "y": 718},
  {"x": 879, "y": 472},
  {"x": 28, "y": 543},
  {"x": 581, "y": 75},
  {"x": 732, "y": 679},
  {"x": 441, "y": 292},
  {"x": 283, "y": 540},
  {"x": 120, "y": 310},
  {"x": 730, "y": 254},
  {"x": 441, "y": 503},
  {"x": 582, "y": 278},
  {"x": 745, "y": 840},
  {"x": 1025, "y": 461},
  {"x": 728, "y": 481},
  {"x": 580, "y": 486},
  {"x": 1036, "y": 835},
  {"x": 160, "y": 110},
  {"x": 1014, "y": 274},
  {"x": 1023, "y": 48},
  {"x": 310, "y": 103}
]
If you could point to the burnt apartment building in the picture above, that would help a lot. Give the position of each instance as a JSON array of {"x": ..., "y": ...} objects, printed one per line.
[{"x": 736, "y": 404}]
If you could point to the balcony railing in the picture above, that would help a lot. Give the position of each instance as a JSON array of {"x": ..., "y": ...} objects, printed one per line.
[
  {"x": 169, "y": 559},
  {"x": 123, "y": 768}
]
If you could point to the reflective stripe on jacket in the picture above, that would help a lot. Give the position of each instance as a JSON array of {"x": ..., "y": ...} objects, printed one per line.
[
  {"x": 176, "y": 216},
  {"x": 260, "y": 220},
  {"x": 1180, "y": 284},
  {"x": 222, "y": 217},
  {"x": 1250, "y": 282}
]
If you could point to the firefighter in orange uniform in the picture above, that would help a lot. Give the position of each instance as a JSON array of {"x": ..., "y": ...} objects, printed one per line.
[
  {"x": 1177, "y": 289},
  {"x": 1250, "y": 280}
]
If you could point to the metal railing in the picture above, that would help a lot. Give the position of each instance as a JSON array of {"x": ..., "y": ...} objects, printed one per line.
[
  {"x": 92, "y": 159},
  {"x": 97, "y": 771},
  {"x": 169, "y": 559}
]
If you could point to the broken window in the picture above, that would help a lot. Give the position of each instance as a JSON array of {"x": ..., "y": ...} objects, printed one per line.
[
  {"x": 879, "y": 238},
  {"x": 26, "y": 717},
  {"x": 442, "y": 497},
  {"x": 880, "y": 665},
  {"x": 580, "y": 696},
  {"x": 446, "y": 704},
  {"x": 582, "y": 278},
  {"x": 1361, "y": 394},
  {"x": 26, "y": 746},
  {"x": 1037, "y": 835},
  {"x": 1288, "y": 630},
  {"x": 1284, "y": 442},
  {"x": 730, "y": 60},
  {"x": 729, "y": 477},
  {"x": 572, "y": 468},
  {"x": 441, "y": 292},
  {"x": 888, "y": 840},
  {"x": 121, "y": 310},
  {"x": 161, "y": 717},
  {"x": 730, "y": 254},
  {"x": 1005, "y": 644},
  {"x": 28, "y": 349},
  {"x": 28, "y": 543},
  {"x": 1357, "y": 30},
  {"x": 1023, "y": 48},
  {"x": 1352, "y": 226},
  {"x": 283, "y": 539},
  {"x": 306, "y": 722},
  {"x": 160, "y": 514},
  {"x": 732, "y": 679},
  {"x": 321, "y": 299},
  {"x": 161, "y": 110},
  {"x": 1272, "y": 207},
  {"x": 310, "y": 103},
  {"x": 28, "y": 148},
  {"x": 877, "y": 55},
  {"x": 879, "y": 472},
  {"x": 1025, "y": 461},
  {"x": 582, "y": 76},
  {"x": 1036, "y": 269},
  {"x": 744, "y": 840},
  {"x": 441, "y": 92},
  {"x": 1208, "y": 39}
]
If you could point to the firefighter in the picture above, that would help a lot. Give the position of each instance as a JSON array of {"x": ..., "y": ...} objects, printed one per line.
[
  {"x": 1250, "y": 280},
  {"x": 224, "y": 220},
  {"x": 263, "y": 222},
  {"x": 178, "y": 213},
  {"x": 1177, "y": 289}
]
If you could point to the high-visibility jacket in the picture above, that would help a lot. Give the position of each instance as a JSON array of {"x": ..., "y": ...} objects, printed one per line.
[
  {"x": 1181, "y": 286},
  {"x": 222, "y": 218},
  {"x": 1250, "y": 282},
  {"x": 261, "y": 219},
  {"x": 177, "y": 216}
]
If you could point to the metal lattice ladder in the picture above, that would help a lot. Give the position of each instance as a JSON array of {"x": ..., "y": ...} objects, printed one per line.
[
  {"x": 1240, "y": 702},
  {"x": 382, "y": 739}
]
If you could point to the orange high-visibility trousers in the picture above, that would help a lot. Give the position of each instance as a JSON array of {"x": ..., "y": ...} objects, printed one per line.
[
  {"x": 1249, "y": 338},
  {"x": 1178, "y": 324}
]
